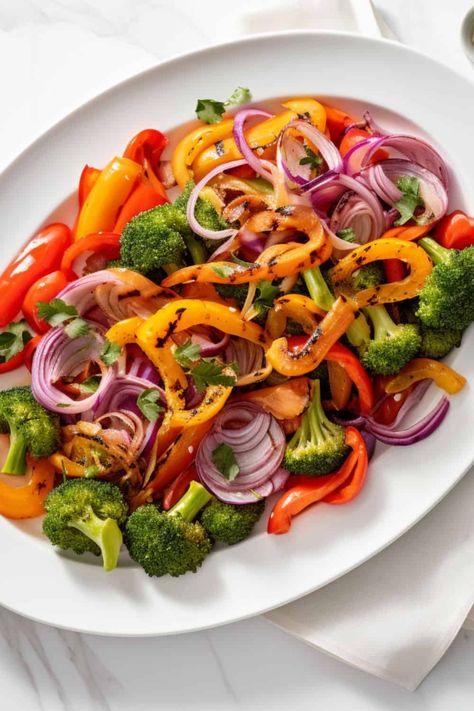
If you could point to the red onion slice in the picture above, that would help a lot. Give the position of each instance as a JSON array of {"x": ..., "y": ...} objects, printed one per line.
[
  {"x": 81, "y": 293},
  {"x": 241, "y": 142},
  {"x": 325, "y": 146},
  {"x": 258, "y": 443}
]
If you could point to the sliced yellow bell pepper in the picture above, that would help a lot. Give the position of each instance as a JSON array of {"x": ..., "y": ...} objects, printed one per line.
[
  {"x": 384, "y": 248},
  {"x": 263, "y": 134},
  {"x": 110, "y": 191},
  {"x": 193, "y": 143},
  {"x": 299, "y": 308},
  {"x": 423, "y": 368}
]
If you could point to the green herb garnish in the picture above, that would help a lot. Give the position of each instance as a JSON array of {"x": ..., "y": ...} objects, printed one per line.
[
  {"x": 110, "y": 353},
  {"x": 147, "y": 402},
  {"x": 211, "y": 111},
  {"x": 224, "y": 460},
  {"x": 410, "y": 201}
]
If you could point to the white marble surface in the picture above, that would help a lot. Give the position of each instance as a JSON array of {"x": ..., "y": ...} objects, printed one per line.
[{"x": 54, "y": 55}]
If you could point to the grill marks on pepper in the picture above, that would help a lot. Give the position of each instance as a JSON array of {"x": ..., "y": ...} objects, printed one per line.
[{"x": 172, "y": 326}]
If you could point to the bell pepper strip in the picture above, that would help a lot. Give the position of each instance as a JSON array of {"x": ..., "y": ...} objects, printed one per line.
[
  {"x": 275, "y": 262},
  {"x": 316, "y": 346},
  {"x": 409, "y": 233},
  {"x": 106, "y": 243},
  {"x": 297, "y": 307},
  {"x": 39, "y": 257},
  {"x": 13, "y": 363},
  {"x": 285, "y": 401},
  {"x": 178, "y": 487},
  {"x": 176, "y": 459},
  {"x": 303, "y": 491},
  {"x": 383, "y": 248},
  {"x": 45, "y": 289},
  {"x": 260, "y": 136},
  {"x": 423, "y": 368},
  {"x": 149, "y": 143},
  {"x": 29, "y": 351},
  {"x": 338, "y": 353},
  {"x": 388, "y": 408},
  {"x": 87, "y": 181},
  {"x": 110, "y": 191},
  {"x": 340, "y": 384},
  {"x": 356, "y": 135},
  {"x": 337, "y": 122},
  {"x": 207, "y": 292},
  {"x": 65, "y": 466},
  {"x": 144, "y": 197},
  {"x": 355, "y": 483},
  {"x": 17, "y": 502},
  {"x": 193, "y": 143},
  {"x": 394, "y": 270},
  {"x": 455, "y": 230}
]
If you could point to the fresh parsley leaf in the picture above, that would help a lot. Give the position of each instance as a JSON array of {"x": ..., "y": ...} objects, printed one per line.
[
  {"x": 187, "y": 353},
  {"x": 56, "y": 311},
  {"x": 266, "y": 295},
  {"x": 209, "y": 371},
  {"x": 90, "y": 385},
  {"x": 312, "y": 159},
  {"x": 224, "y": 460},
  {"x": 76, "y": 328},
  {"x": 110, "y": 353},
  {"x": 210, "y": 111},
  {"x": 13, "y": 340},
  {"x": 224, "y": 270},
  {"x": 147, "y": 402},
  {"x": 241, "y": 95},
  {"x": 410, "y": 201},
  {"x": 347, "y": 234}
]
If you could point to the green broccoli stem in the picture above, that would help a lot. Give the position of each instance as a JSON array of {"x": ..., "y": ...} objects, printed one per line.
[
  {"x": 15, "y": 463},
  {"x": 438, "y": 254},
  {"x": 358, "y": 332},
  {"x": 196, "y": 249},
  {"x": 315, "y": 426},
  {"x": 105, "y": 532},
  {"x": 382, "y": 322},
  {"x": 192, "y": 502}
]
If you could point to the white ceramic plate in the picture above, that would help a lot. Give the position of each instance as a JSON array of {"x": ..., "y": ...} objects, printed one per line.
[{"x": 405, "y": 90}]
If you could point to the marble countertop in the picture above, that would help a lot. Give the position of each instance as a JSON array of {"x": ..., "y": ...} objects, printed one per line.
[{"x": 54, "y": 55}]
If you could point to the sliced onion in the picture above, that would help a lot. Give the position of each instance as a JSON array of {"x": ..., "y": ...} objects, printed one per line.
[
  {"x": 325, "y": 146},
  {"x": 382, "y": 177},
  {"x": 422, "y": 429},
  {"x": 132, "y": 422},
  {"x": 241, "y": 142},
  {"x": 250, "y": 359},
  {"x": 81, "y": 293},
  {"x": 258, "y": 443},
  {"x": 59, "y": 356},
  {"x": 209, "y": 347}
]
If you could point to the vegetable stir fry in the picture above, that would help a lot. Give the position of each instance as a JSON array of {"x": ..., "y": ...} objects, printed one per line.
[{"x": 243, "y": 315}]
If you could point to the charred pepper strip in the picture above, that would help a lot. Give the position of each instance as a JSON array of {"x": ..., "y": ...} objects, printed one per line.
[
  {"x": 299, "y": 308},
  {"x": 423, "y": 368},
  {"x": 276, "y": 262},
  {"x": 384, "y": 248}
]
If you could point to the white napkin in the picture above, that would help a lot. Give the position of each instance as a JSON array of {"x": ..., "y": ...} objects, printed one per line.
[{"x": 396, "y": 615}]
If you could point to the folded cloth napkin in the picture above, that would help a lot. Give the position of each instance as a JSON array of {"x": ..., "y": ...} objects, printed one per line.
[{"x": 396, "y": 615}]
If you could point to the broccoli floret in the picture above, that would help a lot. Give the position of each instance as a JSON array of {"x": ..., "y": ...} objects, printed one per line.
[
  {"x": 231, "y": 524},
  {"x": 358, "y": 332},
  {"x": 447, "y": 298},
  {"x": 318, "y": 445},
  {"x": 206, "y": 215},
  {"x": 169, "y": 543},
  {"x": 438, "y": 343},
  {"x": 238, "y": 292},
  {"x": 392, "y": 345},
  {"x": 368, "y": 276},
  {"x": 32, "y": 428},
  {"x": 86, "y": 515}
]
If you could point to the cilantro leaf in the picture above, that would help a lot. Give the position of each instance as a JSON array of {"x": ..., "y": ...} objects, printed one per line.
[
  {"x": 110, "y": 353},
  {"x": 210, "y": 111},
  {"x": 76, "y": 328},
  {"x": 147, "y": 402},
  {"x": 90, "y": 385},
  {"x": 224, "y": 460},
  {"x": 13, "y": 340},
  {"x": 187, "y": 353},
  {"x": 266, "y": 295},
  {"x": 410, "y": 200},
  {"x": 209, "y": 371},
  {"x": 56, "y": 311},
  {"x": 347, "y": 234},
  {"x": 312, "y": 159}
]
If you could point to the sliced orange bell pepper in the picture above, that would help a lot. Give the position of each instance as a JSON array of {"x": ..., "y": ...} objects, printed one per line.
[
  {"x": 423, "y": 368},
  {"x": 108, "y": 194},
  {"x": 410, "y": 233},
  {"x": 299, "y": 308},
  {"x": 276, "y": 262},
  {"x": 28, "y": 501},
  {"x": 197, "y": 140},
  {"x": 64, "y": 465},
  {"x": 144, "y": 197},
  {"x": 384, "y": 248},
  {"x": 340, "y": 384},
  {"x": 259, "y": 136},
  {"x": 285, "y": 401},
  {"x": 328, "y": 331}
]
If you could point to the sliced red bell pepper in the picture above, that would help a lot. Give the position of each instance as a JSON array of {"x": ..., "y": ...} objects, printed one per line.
[
  {"x": 305, "y": 490},
  {"x": 356, "y": 135},
  {"x": 39, "y": 257},
  {"x": 14, "y": 363},
  {"x": 394, "y": 270},
  {"x": 143, "y": 197},
  {"x": 29, "y": 351},
  {"x": 354, "y": 484},
  {"x": 357, "y": 373},
  {"x": 87, "y": 181},
  {"x": 455, "y": 230},
  {"x": 146, "y": 148},
  {"x": 337, "y": 121},
  {"x": 242, "y": 171},
  {"x": 178, "y": 487},
  {"x": 106, "y": 243},
  {"x": 45, "y": 289}
]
